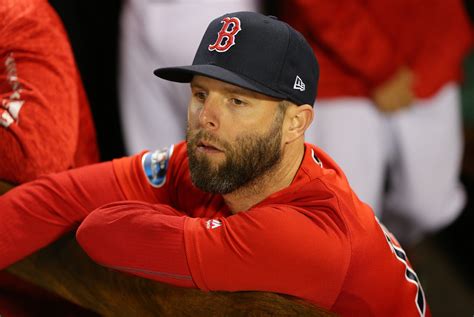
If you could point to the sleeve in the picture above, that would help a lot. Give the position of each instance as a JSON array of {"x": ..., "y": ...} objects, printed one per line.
[
  {"x": 39, "y": 102},
  {"x": 138, "y": 238},
  {"x": 36, "y": 213},
  {"x": 155, "y": 176},
  {"x": 136, "y": 184},
  {"x": 267, "y": 249},
  {"x": 273, "y": 248},
  {"x": 352, "y": 35}
]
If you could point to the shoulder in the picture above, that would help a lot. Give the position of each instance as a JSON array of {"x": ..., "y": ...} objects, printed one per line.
[
  {"x": 326, "y": 181},
  {"x": 154, "y": 165},
  {"x": 297, "y": 226},
  {"x": 147, "y": 172}
]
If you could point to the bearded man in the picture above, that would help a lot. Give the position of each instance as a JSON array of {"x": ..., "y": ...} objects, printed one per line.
[{"x": 243, "y": 204}]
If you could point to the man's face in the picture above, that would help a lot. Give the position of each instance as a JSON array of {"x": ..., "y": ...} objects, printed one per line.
[{"x": 234, "y": 135}]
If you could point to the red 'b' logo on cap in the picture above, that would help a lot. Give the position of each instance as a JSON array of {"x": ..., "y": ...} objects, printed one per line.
[{"x": 226, "y": 36}]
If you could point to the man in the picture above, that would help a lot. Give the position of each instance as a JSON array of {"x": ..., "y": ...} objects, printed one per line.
[{"x": 244, "y": 204}]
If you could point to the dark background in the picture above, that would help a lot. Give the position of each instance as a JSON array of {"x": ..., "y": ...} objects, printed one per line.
[{"x": 93, "y": 28}]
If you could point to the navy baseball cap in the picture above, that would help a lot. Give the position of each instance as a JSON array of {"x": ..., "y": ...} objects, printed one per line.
[{"x": 256, "y": 52}]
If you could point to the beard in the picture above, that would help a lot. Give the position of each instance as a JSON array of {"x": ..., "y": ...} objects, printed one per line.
[{"x": 246, "y": 161}]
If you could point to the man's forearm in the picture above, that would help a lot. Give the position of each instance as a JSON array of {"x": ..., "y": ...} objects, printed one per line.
[{"x": 35, "y": 214}]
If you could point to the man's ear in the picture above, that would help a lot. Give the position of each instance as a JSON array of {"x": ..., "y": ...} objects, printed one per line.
[{"x": 298, "y": 120}]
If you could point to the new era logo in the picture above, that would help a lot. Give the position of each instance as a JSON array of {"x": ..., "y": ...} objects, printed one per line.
[{"x": 299, "y": 84}]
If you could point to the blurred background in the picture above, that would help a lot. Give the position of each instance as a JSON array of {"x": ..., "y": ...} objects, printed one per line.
[{"x": 113, "y": 46}]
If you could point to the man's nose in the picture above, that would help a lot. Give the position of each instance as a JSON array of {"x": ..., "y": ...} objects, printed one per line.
[{"x": 209, "y": 115}]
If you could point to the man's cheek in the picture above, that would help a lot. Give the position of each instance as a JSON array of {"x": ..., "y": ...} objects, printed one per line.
[{"x": 194, "y": 111}]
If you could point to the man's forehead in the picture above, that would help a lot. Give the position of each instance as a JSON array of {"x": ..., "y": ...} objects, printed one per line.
[{"x": 205, "y": 82}]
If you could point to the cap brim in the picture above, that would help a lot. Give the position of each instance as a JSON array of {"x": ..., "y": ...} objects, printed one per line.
[{"x": 185, "y": 74}]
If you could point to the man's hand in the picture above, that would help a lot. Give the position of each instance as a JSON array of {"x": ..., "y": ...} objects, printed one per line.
[{"x": 395, "y": 93}]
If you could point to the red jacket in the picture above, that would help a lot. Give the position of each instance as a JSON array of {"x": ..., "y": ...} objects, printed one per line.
[
  {"x": 361, "y": 43},
  {"x": 141, "y": 214},
  {"x": 45, "y": 121}
]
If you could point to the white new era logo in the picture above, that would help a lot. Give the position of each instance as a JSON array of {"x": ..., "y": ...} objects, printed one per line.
[
  {"x": 299, "y": 84},
  {"x": 213, "y": 224}
]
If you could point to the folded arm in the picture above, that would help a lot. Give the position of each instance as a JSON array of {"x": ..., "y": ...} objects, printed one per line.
[
  {"x": 39, "y": 93},
  {"x": 269, "y": 249},
  {"x": 34, "y": 214}
]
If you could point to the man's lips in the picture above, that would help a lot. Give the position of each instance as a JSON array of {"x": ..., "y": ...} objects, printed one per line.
[{"x": 207, "y": 147}]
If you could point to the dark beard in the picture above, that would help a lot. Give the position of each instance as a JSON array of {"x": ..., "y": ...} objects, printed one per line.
[{"x": 252, "y": 156}]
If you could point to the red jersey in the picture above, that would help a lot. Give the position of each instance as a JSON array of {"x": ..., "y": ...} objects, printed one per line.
[
  {"x": 45, "y": 121},
  {"x": 314, "y": 239},
  {"x": 361, "y": 43}
]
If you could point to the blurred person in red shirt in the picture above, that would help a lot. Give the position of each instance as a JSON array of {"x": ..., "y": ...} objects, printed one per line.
[
  {"x": 389, "y": 102},
  {"x": 45, "y": 121}
]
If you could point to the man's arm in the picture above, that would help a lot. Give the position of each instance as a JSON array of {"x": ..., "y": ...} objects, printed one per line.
[
  {"x": 273, "y": 249},
  {"x": 41, "y": 96},
  {"x": 35, "y": 214}
]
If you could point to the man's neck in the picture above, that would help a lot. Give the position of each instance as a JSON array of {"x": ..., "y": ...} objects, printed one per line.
[{"x": 274, "y": 180}]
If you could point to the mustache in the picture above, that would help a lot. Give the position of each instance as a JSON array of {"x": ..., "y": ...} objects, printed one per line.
[{"x": 193, "y": 138}]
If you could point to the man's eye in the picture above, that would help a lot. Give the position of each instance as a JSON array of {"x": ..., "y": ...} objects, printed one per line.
[
  {"x": 200, "y": 96},
  {"x": 237, "y": 102}
]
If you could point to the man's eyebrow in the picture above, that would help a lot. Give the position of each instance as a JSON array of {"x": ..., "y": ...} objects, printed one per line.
[
  {"x": 241, "y": 91},
  {"x": 194, "y": 85},
  {"x": 231, "y": 89}
]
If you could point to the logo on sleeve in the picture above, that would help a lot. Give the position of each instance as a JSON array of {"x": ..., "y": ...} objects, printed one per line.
[
  {"x": 213, "y": 224},
  {"x": 155, "y": 165},
  {"x": 10, "y": 106},
  {"x": 226, "y": 36}
]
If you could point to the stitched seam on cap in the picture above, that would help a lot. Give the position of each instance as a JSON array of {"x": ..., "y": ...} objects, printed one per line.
[{"x": 284, "y": 61}]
